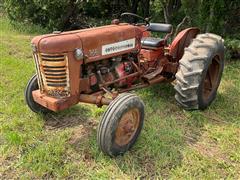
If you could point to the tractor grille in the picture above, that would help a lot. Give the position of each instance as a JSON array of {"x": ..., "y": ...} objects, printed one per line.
[{"x": 53, "y": 74}]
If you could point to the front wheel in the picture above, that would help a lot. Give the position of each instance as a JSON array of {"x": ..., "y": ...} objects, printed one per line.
[
  {"x": 31, "y": 86},
  {"x": 121, "y": 124}
]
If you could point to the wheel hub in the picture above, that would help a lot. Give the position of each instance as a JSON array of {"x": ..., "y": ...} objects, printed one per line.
[{"x": 127, "y": 127}]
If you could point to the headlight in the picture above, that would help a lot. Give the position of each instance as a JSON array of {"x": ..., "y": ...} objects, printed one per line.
[{"x": 78, "y": 54}]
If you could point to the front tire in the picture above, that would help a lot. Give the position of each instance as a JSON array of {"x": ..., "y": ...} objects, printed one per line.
[
  {"x": 121, "y": 124},
  {"x": 200, "y": 72},
  {"x": 31, "y": 86}
]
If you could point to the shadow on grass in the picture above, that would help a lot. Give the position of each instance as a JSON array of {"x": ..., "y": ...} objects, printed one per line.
[
  {"x": 168, "y": 129},
  {"x": 75, "y": 116}
]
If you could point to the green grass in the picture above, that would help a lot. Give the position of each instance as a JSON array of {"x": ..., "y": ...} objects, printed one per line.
[{"x": 174, "y": 143}]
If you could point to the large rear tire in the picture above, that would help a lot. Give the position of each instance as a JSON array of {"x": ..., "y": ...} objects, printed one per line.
[
  {"x": 31, "y": 86},
  {"x": 121, "y": 124},
  {"x": 200, "y": 72}
]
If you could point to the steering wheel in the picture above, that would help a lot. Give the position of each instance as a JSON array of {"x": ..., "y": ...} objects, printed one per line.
[{"x": 135, "y": 16}]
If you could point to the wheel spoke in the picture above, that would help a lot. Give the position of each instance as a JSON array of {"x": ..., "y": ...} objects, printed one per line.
[
  {"x": 209, "y": 79},
  {"x": 217, "y": 60}
]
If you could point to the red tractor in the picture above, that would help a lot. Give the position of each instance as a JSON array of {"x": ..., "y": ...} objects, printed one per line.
[{"x": 99, "y": 65}]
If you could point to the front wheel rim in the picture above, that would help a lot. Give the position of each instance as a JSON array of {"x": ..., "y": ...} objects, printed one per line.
[{"x": 127, "y": 127}]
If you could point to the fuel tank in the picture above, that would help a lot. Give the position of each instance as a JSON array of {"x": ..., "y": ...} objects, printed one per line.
[{"x": 96, "y": 43}]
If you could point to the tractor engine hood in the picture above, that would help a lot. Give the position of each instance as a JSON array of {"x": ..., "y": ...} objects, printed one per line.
[
  {"x": 57, "y": 43},
  {"x": 96, "y": 43}
]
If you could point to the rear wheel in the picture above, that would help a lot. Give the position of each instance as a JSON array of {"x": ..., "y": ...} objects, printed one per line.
[
  {"x": 200, "y": 72},
  {"x": 31, "y": 86},
  {"x": 121, "y": 124}
]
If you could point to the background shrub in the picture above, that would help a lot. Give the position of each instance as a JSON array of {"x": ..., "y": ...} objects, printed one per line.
[{"x": 217, "y": 16}]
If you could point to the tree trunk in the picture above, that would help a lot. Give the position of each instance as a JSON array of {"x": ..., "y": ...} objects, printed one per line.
[
  {"x": 169, "y": 7},
  {"x": 70, "y": 13},
  {"x": 127, "y": 5},
  {"x": 165, "y": 10},
  {"x": 211, "y": 16},
  {"x": 145, "y": 7},
  {"x": 135, "y": 6}
]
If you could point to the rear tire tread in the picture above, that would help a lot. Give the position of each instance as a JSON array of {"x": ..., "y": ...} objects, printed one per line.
[{"x": 192, "y": 65}]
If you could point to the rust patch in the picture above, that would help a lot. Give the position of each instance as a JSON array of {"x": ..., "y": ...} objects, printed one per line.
[
  {"x": 182, "y": 40},
  {"x": 127, "y": 127},
  {"x": 53, "y": 74}
]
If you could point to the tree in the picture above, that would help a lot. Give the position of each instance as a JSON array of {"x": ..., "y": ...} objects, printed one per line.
[{"x": 169, "y": 7}]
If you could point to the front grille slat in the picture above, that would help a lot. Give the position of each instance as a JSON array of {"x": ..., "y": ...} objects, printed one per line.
[
  {"x": 54, "y": 60},
  {"x": 58, "y": 75},
  {"x": 54, "y": 73},
  {"x": 53, "y": 70},
  {"x": 57, "y": 82},
  {"x": 57, "y": 78},
  {"x": 57, "y": 85},
  {"x": 53, "y": 56},
  {"x": 54, "y": 66},
  {"x": 54, "y": 63}
]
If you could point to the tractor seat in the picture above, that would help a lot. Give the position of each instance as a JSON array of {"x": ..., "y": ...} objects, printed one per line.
[
  {"x": 160, "y": 27},
  {"x": 152, "y": 42}
]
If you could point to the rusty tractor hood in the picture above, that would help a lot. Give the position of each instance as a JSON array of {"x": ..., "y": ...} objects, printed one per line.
[{"x": 96, "y": 43}]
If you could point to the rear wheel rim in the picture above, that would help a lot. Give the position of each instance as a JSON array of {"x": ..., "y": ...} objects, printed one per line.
[
  {"x": 127, "y": 127},
  {"x": 210, "y": 82}
]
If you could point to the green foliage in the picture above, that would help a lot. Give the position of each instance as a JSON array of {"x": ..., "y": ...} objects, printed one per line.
[
  {"x": 55, "y": 14},
  {"x": 174, "y": 143},
  {"x": 156, "y": 11},
  {"x": 233, "y": 44},
  {"x": 50, "y": 14},
  {"x": 233, "y": 47},
  {"x": 218, "y": 16},
  {"x": 96, "y": 8}
]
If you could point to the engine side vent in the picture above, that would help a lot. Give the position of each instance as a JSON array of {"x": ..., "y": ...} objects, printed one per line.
[{"x": 54, "y": 74}]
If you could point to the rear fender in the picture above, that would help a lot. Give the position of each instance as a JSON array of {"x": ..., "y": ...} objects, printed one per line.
[{"x": 182, "y": 40}]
